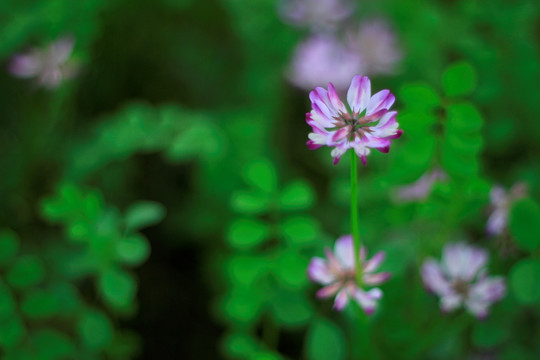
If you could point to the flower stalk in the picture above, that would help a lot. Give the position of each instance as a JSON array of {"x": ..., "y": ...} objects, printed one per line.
[{"x": 354, "y": 215}]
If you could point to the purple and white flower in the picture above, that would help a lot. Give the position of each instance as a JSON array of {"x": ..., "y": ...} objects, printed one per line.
[
  {"x": 460, "y": 279},
  {"x": 314, "y": 63},
  {"x": 376, "y": 44},
  {"x": 317, "y": 14},
  {"x": 338, "y": 275},
  {"x": 366, "y": 123},
  {"x": 50, "y": 66},
  {"x": 501, "y": 202},
  {"x": 421, "y": 188}
]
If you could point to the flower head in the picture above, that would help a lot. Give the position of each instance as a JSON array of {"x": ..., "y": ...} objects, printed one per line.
[
  {"x": 338, "y": 275},
  {"x": 421, "y": 188},
  {"x": 314, "y": 63},
  {"x": 366, "y": 123},
  {"x": 316, "y": 14},
  {"x": 461, "y": 279},
  {"x": 501, "y": 201},
  {"x": 50, "y": 66},
  {"x": 375, "y": 42}
]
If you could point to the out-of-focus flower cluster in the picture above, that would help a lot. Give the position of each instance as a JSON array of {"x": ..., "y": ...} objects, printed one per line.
[
  {"x": 50, "y": 66},
  {"x": 461, "y": 279},
  {"x": 337, "y": 47},
  {"x": 501, "y": 201}
]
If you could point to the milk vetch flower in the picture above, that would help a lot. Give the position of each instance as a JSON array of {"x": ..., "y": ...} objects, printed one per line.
[
  {"x": 366, "y": 123},
  {"x": 501, "y": 201},
  {"x": 460, "y": 279},
  {"x": 49, "y": 66},
  {"x": 338, "y": 275}
]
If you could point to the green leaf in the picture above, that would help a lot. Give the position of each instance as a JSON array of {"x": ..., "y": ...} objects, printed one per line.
[
  {"x": 524, "y": 224},
  {"x": 247, "y": 233},
  {"x": 12, "y": 332},
  {"x": 9, "y": 245},
  {"x": 143, "y": 214},
  {"x": 297, "y": 195},
  {"x": 132, "y": 250},
  {"x": 464, "y": 117},
  {"x": 250, "y": 202},
  {"x": 52, "y": 344},
  {"x": 325, "y": 341},
  {"x": 95, "y": 330},
  {"x": 27, "y": 271},
  {"x": 261, "y": 175},
  {"x": 290, "y": 268},
  {"x": 125, "y": 346},
  {"x": 300, "y": 230},
  {"x": 419, "y": 96},
  {"x": 243, "y": 304},
  {"x": 525, "y": 281},
  {"x": 488, "y": 333},
  {"x": 245, "y": 269},
  {"x": 40, "y": 304},
  {"x": 7, "y": 302},
  {"x": 117, "y": 288},
  {"x": 240, "y": 345},
  {"x": 459, "y": 79},
  {"x": 289, "y": 307}
]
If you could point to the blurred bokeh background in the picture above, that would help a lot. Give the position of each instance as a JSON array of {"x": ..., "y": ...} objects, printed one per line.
[{"x": 158, "y": 200}]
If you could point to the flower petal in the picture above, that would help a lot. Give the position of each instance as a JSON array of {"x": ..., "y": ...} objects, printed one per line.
[
  {"x": 376, "y": 279},
  {"x": 319, "y": 271},
  {"x": 342, "y": 299},
  {"x": 381, "y": 100},
  {"x": 359, "y": 93},
  {"x": 372, "y": 264},
  {"x": 329, "y": 290},
  {"x": 334, "y": 99},
  {"x": 368, "y": 300},
  {"x": 434, "y": 279},
  {"x": 451, "y": 302},
  {"x": 344, "y": 252}
]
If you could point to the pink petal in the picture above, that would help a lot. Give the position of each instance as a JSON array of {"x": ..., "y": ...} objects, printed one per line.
[
  {"x": 342, "y": 299},
  {"x": 368, "y": 300},
  {"x": 319, "y": 271},
  {"x": 341, "y": 134},
  {"x": 334, "y": 99},
  {"x": 328, "y": 291},
  {"x": 434, "y": 279},
  {"x": 381, "y": 100},
  {"x": 450, "y": 302},
  {"x": 344, "y": 252},
  {"x": 372, "y": 264},
  {"x": 376, "y": 279},
  {"x": 359, "y": 93}
]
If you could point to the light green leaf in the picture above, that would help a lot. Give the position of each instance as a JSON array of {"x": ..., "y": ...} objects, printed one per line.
[
  {"x": 419, "y": 96},
  {"x": 51, "y": 344},
  {"x": 11, "y": 332},
  {"x": 7, "y": 302},
  {"x": 245, "y": 269},
  {"x": 132, "y": 250},
  {"x": 297, "y": 195},
  {"x": 290, "y": 308},
  {"x": 40, "y": 304},
  {"x": 247, "y": 233},
  {"x": 27, "y": 271},
  {"x": 143, "y": 214},
  {"x": 261, "y": 175},
  {"x": 459, "y": 79},
  {"x": 95, "y": 330},
  {"x": 291, "y": 268},
  {"x": 525, "y": 281},
  {"x": 117, "y": 288},
  {"x": 9, "y": 245},
  {"x": 325, "y": 341},
  {"x": 524, "y": 224},
  {"x": 300, "y": 230},
  {"x": 243, "y": 304},
  {"x": 250, "y": 202}
]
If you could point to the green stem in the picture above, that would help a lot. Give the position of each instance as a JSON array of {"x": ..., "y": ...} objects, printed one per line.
[{"x": 354, "y": 215}]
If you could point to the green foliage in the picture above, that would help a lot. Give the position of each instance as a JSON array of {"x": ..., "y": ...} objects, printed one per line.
[
  {"x": 525, "y": 281},
  {"x": 524, "y": 224},
  {"x": 459, "y": 79},
  {"x": 325, "y": 341}
]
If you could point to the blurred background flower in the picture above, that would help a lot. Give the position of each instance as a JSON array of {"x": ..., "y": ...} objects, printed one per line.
[{"x": 50, "y": 66}]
